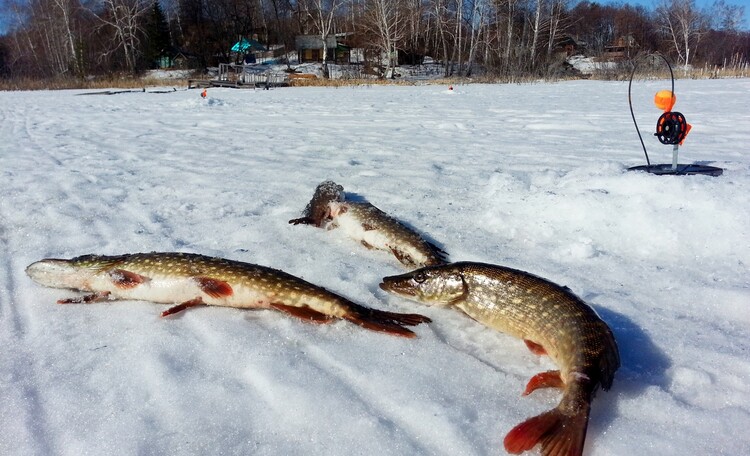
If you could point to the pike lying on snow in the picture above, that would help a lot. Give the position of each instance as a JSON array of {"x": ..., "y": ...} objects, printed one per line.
[
  {"x": 372, "y": 227},
  {"x": 191, "y": 280},
  {"x": 550, "y": 319}
]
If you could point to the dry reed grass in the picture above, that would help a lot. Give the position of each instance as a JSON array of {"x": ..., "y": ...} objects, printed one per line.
[
  {"x": 118, "y": 82},
  {"x": 129, "y": 82}
]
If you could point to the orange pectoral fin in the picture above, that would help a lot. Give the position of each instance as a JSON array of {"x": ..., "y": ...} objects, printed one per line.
[
  {"x": 180, "y": 307},
  {"x": 126, "y": 279},
  {"x": 214, "y": 287},
  {"x": 95, "y": 297},
  {"x": 549, "y": 379},
  {"x": 304, "y": 313},
  {"x": 535, "y": 348}
]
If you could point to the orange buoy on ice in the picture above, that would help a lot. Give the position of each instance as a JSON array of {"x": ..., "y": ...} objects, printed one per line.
[{"x": 665, "y": 100}]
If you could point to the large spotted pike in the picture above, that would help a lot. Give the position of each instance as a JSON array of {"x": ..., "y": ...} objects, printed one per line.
[
  {"x": 550, "y": 319},
  {"x": 369, "y": 225},
  {"x": 189, "y": 280}
]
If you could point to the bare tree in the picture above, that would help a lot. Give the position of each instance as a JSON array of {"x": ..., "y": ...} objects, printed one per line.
[
  {"x": 683, "y": 24},
  {"x": 440, "y": 12},
  {"x": 476, "y": 24},
  {"x": 509, "y": 7},
  {"x": 556, "y": 23},
  {"x": 386, "y": 20},
  {"x": 322, "y": 14},
  {"x": 536, "y": 29},
  {"x": 416, "y": 26},
  {"x": 125, "y": 19},
  {"x": 726, "y": 17},
  {"x": 66, "y": 11}
]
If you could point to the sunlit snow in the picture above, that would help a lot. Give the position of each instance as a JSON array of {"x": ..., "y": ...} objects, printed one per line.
[{"x": 530, "y": 176}]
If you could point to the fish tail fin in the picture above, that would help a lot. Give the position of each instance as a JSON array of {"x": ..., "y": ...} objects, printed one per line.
[
  {"x": 388, "y": 322},
  {"x": 558, "y": 433}
]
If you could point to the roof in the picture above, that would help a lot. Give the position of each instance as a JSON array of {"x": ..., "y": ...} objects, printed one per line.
[
  {"x": 245, "y": 45},
  {"x": 314, "y": 42}
]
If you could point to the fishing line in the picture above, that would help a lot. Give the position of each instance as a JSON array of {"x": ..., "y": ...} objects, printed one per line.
[{"x": 630, "y": 103}]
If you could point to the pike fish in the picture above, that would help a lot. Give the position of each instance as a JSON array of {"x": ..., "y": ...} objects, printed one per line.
[
  {"x": 550, "y": 319},
  {"x": 369, "y": 225},
  {"x": 190, "y": 280}
]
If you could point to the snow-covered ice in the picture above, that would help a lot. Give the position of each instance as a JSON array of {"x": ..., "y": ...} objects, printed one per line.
[{"x": 529, "y": 176}]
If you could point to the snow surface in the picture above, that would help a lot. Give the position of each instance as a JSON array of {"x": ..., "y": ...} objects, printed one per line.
[{"x": 529, "y": 176}]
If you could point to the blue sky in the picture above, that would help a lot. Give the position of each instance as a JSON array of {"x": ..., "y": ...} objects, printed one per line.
[
  {"x": 4, "y": 16},
  {"x": 700, "y": 3}
]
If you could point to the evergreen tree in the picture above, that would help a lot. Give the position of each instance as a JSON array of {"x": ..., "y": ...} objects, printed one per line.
[{"x": 158, "y": 40}]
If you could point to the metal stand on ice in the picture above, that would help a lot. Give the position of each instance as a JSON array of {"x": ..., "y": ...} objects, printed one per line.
[{"x": 671, "y": 129}]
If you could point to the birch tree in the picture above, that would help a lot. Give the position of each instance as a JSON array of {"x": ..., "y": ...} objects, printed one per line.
[
  {"x": 322, "y": 14},
  {"x": 386, "y": 20},
  {"x": 683, "y": 24},
  {"x": 556, "y": 26},
  {"x": 66, "y": 11},
  {"x": 439, "y": 12},
  {"x": 536, "y": 29},
  {"x": 125, "y": 18},
  {"x": 509, "y": 7},
  {"x": 477, "y": 21}
]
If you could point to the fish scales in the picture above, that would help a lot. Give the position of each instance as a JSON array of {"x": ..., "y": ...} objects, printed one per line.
[
  {"x": 535, "y": 309},
  {"x": 369, "y": 225},
  {"x": 551, "y": 319},
  {"x": 192, "y": 279},
  {"x": 161, "y": 267}
]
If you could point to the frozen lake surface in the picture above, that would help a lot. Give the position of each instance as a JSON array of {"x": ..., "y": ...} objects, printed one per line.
[{"x": 529, "y": 176}]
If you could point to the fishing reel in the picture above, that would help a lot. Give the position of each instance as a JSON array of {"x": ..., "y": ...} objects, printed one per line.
[{"x": 671, "y": 129}]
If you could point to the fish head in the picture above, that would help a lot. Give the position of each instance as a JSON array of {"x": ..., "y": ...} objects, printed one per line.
[
  {"x": 57, "y": 273},
  {"x": 441, "y": 285},
  {"x": 319, "y": 207}
]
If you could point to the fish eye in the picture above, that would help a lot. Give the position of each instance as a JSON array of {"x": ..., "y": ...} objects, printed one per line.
[{"x": 420, "y": 277}]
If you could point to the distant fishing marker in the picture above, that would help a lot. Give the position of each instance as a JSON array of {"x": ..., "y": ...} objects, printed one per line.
[{"x": 671, "y": 129}]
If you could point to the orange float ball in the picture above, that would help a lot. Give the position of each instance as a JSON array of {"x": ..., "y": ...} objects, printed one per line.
[{"x": 664, "y": 100}]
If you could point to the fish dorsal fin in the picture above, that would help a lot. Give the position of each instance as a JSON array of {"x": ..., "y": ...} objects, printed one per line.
[
  {"x": 214, "y": 287},
  {"x": 304, "y": 313},
  {"x": 126, "y": 279}
]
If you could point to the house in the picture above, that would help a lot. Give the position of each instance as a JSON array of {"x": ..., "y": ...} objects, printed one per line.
[
  {"x": 310, "y": 48},
  {"x": 623, "y": 47},
  {"x": 178, "y": 60},
  {"x": 567, "y": 45}
]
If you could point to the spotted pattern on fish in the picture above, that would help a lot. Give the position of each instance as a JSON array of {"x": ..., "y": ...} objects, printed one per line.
[
  {"x": 370, "y": 226},
  {"x": 189, "y": 279},
  {"x": 551, "y": 319}
]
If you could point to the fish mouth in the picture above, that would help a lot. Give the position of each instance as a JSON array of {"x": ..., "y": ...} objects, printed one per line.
[
  {"x": 52, "y": 272},
  {"x": 397, "y": 285}
]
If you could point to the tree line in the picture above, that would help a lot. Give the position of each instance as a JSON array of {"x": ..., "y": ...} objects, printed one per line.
[{"x": 86, "y": 38}]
